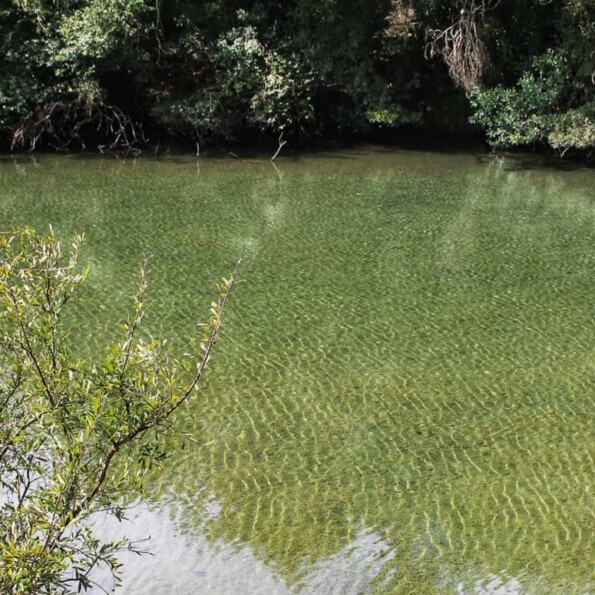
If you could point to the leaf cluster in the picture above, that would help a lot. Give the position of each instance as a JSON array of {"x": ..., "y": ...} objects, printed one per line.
[
  {"x": 527, "y": 113},
  {"x": 75, "y": 437}
]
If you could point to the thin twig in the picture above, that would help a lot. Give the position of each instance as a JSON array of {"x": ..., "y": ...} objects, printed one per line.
[{"x": 282, "y": 143}]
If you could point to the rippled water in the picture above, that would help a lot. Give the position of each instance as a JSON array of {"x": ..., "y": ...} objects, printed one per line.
[{"x": 402, "y": 400}]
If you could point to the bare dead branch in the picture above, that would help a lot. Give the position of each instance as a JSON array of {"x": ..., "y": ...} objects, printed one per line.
[
  {"x": 460, "y": 44},
  {"x": 282, "y": 143},
  {"x": 62, "y": 123}
]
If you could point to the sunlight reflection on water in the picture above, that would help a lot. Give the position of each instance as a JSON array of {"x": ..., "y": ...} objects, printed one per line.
[{"x": 402, "y": 398}]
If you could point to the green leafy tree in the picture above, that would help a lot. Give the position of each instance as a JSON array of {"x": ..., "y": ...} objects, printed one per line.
[
  {"x": 77, "y": 73},
  {"x": 526, "y": 113},
  {"x": 243, "y": 84},
  {"x": 75, "y": 437},
  {"x": 56, "y": 57}
]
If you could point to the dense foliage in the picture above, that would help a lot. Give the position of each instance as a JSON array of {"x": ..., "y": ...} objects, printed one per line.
[
  {"x": 111, "y": 73},
  {"x": 75, "y": 437}
]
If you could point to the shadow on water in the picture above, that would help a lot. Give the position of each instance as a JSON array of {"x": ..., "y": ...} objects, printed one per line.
[{"x": 513, "y": 161}]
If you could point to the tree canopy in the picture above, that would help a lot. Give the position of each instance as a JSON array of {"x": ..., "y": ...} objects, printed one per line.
[{"x": 113, "y": 73}]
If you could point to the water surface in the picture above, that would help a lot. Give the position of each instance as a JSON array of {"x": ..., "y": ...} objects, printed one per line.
[{"x": 402, "y": 400}]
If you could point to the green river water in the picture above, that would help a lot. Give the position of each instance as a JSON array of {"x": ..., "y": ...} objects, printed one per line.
[{"x": 402, "y": 398}]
